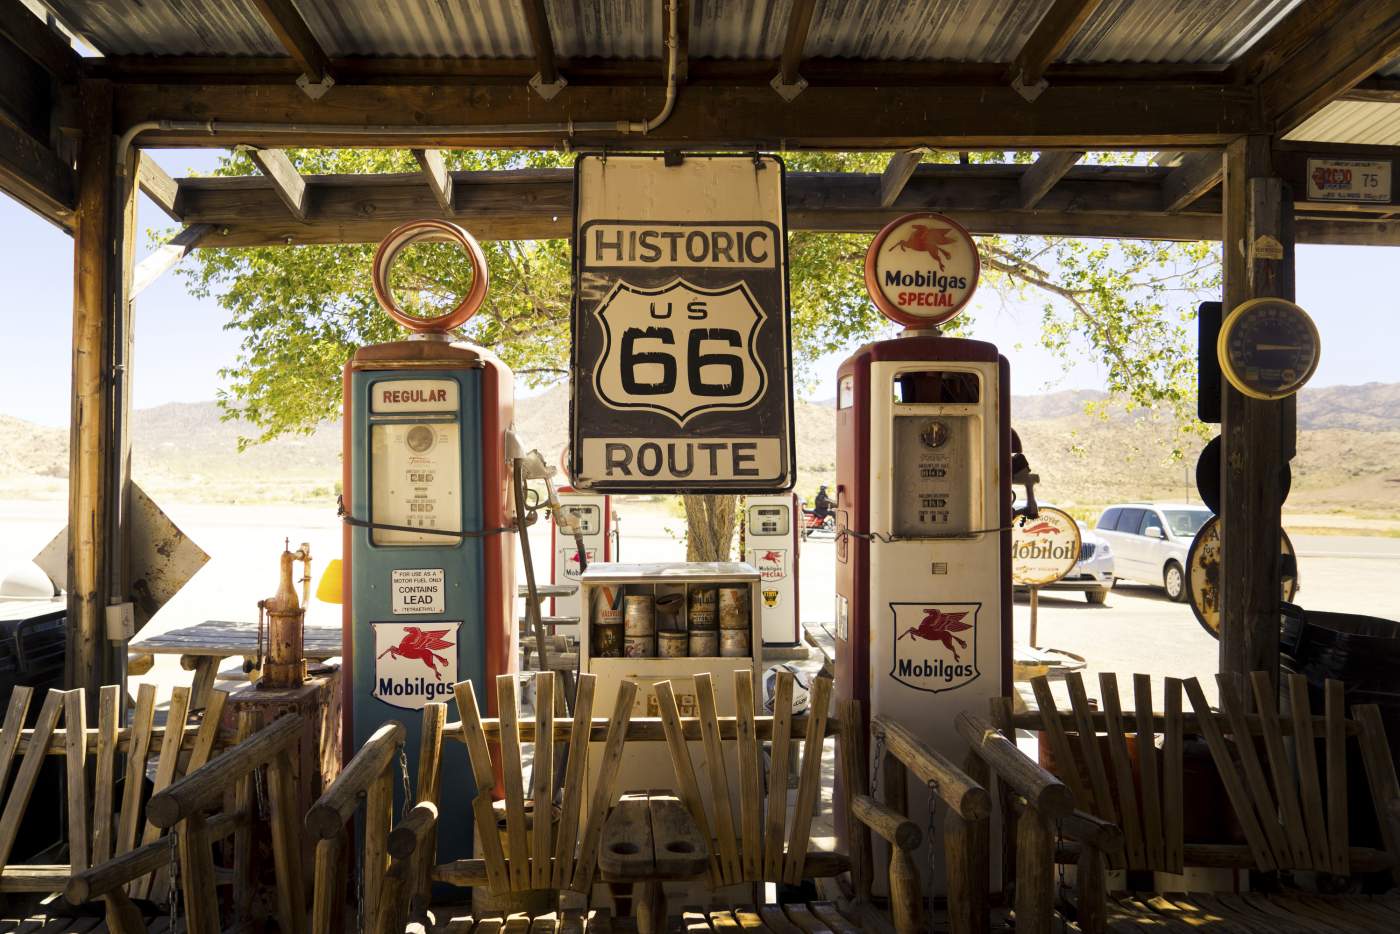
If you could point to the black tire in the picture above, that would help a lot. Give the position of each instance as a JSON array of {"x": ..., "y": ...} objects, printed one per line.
[
  {"x": 1097, "y": 597},
  {"x": 1174, "y": 582}
]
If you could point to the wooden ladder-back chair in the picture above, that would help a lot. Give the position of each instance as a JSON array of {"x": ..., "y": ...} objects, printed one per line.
[
  {"x": 768, "y": 841},
  {"x": 114, "y": 852},
  {"x": 1290, "y": 803}
]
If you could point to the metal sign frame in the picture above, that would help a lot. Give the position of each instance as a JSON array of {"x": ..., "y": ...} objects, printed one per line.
[{"x": 774, "y": 404}]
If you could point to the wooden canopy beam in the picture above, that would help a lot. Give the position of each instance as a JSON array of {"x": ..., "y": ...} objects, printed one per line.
[
  {"x": 158, "y": 186},
  {"x": 438, "y": 177},
  {"x": 798, "y": 25},
  {"x": 1198, "y": 173},
  {"x": 296, "y": 37},
  {"x": 1089, "y": 200},
  {"x": 537, "y": 22},
  {"x": 1346, "y": 44},
  {"x": 286, "y": 181},
  {"x": 896, "y": 175},
  {"x": 1045, "y": 173},
  {"x": 884, "y": 117},
  {"x": 1054, "y": 31},
  {"x": 33, "y": 174},
  {"x": 166, "y": 257}
]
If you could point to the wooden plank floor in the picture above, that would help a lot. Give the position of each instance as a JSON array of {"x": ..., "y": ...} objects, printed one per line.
[{"x": 41, "y": 924}]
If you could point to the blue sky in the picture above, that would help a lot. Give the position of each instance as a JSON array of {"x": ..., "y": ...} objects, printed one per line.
[{"x": 180, "y": 344}]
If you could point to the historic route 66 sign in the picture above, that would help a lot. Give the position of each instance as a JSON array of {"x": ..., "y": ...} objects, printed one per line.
[{"x": 681, "y": 354}]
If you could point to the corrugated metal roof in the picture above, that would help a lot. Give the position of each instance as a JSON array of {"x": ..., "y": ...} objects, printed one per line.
[
  {"x": 1185, "y": 31},
  {"x": 1358, "y": 122}
]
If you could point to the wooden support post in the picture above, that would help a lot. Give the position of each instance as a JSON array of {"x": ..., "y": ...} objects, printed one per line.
[
  {"x": 1092, "y": 907},
  {"x": 1258, "y": 435},
  {"x": 98, "y": 448},
  {"x": 1035, "y": 873}
]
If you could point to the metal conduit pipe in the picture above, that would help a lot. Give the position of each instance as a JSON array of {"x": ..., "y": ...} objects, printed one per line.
[{"x": 566, "y": 128}]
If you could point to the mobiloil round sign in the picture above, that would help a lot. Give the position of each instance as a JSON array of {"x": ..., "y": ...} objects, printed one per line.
[
  {"x": 922, "y": 269},
  {"x": 1043, "y": 549}
]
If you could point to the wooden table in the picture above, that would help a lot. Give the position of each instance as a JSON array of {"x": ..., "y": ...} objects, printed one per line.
[
  {"x": 202, "y": 646},
  {"x": 648, "y": 839}
]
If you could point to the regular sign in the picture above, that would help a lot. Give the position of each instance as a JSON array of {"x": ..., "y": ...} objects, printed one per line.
[
  {"x": 1043, "y": 549},
  {"x": 681, "y": 353}
]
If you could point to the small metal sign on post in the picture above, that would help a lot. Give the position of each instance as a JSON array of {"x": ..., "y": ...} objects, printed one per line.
[{"x": 681, "y": 355}]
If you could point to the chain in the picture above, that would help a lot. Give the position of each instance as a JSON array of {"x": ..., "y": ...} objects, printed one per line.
[
  {"x": 1060, "y": 866},
  {"x": 407, "y": 791},
  {"x": 360, "y": 890},
  {"x": 174, "y": 879}
]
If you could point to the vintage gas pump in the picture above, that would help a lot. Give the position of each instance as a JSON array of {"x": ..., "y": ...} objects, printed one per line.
[
  {"x": 923, "y": 497},
  {"x": 429, "y": 545},
  {"x": 771, "y": 534},
  {"x": 573, "y": 549}
]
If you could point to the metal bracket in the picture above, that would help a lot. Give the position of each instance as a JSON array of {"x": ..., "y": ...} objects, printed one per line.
[
  {"x": 788, "y": 92},
  {"x": 315, "y": 89},
  {"x": 547, "y": 90},
  {"x": 1028, "y": 91}
]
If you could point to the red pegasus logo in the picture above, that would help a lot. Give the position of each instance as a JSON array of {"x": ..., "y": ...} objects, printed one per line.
[
  {"x": 938, "y": 626},
  {"x": 1040, "y": 528},
  {"x": 930, "y": 240},
  {"x": 773, "y": 556},
  {"x": 420, "y": 645}
]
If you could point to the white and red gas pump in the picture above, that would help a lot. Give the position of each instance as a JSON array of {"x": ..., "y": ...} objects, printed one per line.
[
  {"x": 590, "y": 540},
  {"x": 772, "y": 533},
  {"x": 923, "y": 496}
]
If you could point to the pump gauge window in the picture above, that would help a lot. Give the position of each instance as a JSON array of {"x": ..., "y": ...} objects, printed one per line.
[
  {"x": 415, "y": 471},
  {"x": 1268, "y": 348}
]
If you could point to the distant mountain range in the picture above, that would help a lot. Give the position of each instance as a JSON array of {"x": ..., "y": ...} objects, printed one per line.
[{"x": 1348, "y": 451}]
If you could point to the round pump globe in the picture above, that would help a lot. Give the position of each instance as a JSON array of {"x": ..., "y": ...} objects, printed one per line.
[{"x": 329, "y": 588}]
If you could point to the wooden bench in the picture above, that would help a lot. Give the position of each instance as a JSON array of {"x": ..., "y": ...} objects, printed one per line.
[
  {"x": 766, "y": 841},
  {"x": 1284, "y": 777}
]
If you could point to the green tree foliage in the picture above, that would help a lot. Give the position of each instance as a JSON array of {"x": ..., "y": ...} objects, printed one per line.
[{"x": 302, "y": 310}]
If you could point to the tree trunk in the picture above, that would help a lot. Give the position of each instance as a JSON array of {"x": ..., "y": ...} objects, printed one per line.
[{"x": 710, "y": 527}]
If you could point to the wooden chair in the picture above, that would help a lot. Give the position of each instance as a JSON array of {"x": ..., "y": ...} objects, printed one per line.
[
  {"x": 114, "y": 851},
  {"x": 1290, "y": 804},
  {"x": 767, "y": 841}
]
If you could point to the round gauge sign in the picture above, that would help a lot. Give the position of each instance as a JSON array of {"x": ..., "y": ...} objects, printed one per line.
[
  {"x": 1268, "y": 348},
  {"x": 922, "y": 269},
  {"x": 1043, "y": 549},
  {"x": 1203, "y": 574}
]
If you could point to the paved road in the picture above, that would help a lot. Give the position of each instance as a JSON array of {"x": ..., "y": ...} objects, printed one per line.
[{"x": 1138, "y": 630}]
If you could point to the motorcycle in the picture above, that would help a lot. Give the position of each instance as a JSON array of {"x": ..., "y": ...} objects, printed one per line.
[{"x": 811, "y": 522}]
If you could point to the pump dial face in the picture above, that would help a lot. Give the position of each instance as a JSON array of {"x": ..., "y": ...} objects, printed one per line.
[{"x": 1268, "y": 348}]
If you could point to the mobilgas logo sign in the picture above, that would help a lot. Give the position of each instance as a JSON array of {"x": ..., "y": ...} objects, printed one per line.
[
  {"x": 415, "y": 664},
  {"x": 922, "y": 269},
  {"x": 1044, "y": 549},
  {"x": 935, "y": 645},
  {"x": 681, "y": 355}
]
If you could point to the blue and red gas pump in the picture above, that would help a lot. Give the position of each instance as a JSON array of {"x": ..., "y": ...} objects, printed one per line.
[{"x": 429, "y": 563}]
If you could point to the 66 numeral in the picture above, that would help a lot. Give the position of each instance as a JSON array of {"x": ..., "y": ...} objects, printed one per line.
[{"x": 696, "y": 361}]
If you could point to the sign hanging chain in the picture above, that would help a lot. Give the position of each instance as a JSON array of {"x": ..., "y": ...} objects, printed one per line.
[
  {"x": 174, "y": 880},
  {"x": 407, "y": 790},
  {"x": 928, "y": 842}
]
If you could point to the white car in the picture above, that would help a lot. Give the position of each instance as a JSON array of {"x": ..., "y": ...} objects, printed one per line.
[{"x": 1150, "y": 541}]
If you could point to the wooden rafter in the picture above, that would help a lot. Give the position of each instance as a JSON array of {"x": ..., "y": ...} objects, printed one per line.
[
  {"x": 158, "y": 186},
  {"x": 166, "y": 257},
  {"x": 1341, "y": 50},
  {"x": 1198, "y": 173},
  {"x": 1049, "y": 38},
  {"x": 1045, "y": 173},
  {"x": 798, "y": 25},
  {"x": 883, "y": 117},
  {"x": 34, "y": 37},
  {"x": 537, "y": 22},
  {"x": 286, "y": 181},
  {"x": 896, "y": 175},
  {"x": 296, "y": 37},
  {"x": 438, "y": 177}
]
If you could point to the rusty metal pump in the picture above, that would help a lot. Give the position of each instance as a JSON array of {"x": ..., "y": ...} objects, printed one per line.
[{"x": 284, "y": 664}]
